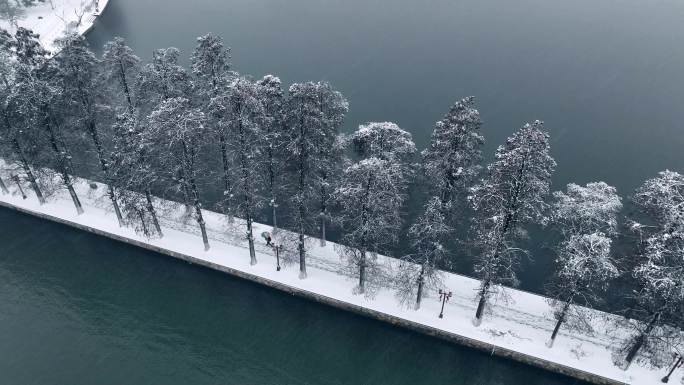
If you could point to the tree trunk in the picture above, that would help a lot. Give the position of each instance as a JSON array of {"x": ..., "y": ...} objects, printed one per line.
[
  {"x": 95, "y": 136},
  {"x": 250, "y": 239},
  {"x": 246, "y": 190},
  {"x": 153, "y": 212},
  {"x": 191, "y": 187},
  {"x": 484, "y": 292},
  {"x": 273, "y": 210},
  {"x": 228, "y": 209},
  {"x": 271, "y": 184},
  {"x": 639, "y": 341},
  {"x": 3, "y": 187},
  {"x": 301, "y": 203},
  {"x": 561, "y": 319},
  {"x": 72, "y": 192},
  {"x": 421, "y": 282},
  {"x": 29, "y": 173},
  {"x": 324, "y": 209},
  {"x": 364, "y": 237},
  {"x": 556, "y": 328},
  {"x": 124, "y": 84},
  {"x": 322, "y": 229},
  {"x": 63, "y": 170},
  {"x": 362, "y": 273},
  {"x": 143, "y": 224},
  {"x": 198, "y": 213},
  {"x": 302, "y": 256}
]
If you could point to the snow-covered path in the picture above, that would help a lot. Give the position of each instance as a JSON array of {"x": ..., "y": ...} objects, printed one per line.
[
  {"x": 517, "y": 328},
  {"x": 51, "y": 23}
]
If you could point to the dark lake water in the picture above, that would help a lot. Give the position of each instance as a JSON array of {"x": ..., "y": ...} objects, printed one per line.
[
  {"x": 605, "y": 75},
  {"x": 78, "y": 309}
]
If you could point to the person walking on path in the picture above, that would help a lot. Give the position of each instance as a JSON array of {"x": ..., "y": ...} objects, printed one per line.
[{"x": 267, "y": 237}]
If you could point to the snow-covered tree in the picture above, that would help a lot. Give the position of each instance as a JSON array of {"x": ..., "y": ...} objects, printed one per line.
[
  {"x": 119, "y": 69},
  {"x": 40, "y": 103},
  {"x": 16, "y": 144},
  {"x": 25, "y": 47},
  {"x": 586, "y": 216},
  {"x": 384, "y": 140},
  {"x": 314, "y": 113},
  {"x": 76, "y": 72},
  {"x": 242, "y": 112},
  {"x": 420, "y": 270},
  {"x": 135, "y": 171},
  {"x": 177, "y": 130},
  {"x": 370, "y": 195},
  {"x": 211, "y": 66},
  {"x": 585, "y": 268},
  {"x": 161, "y": 79},
  {"x": 333, "y": 108},
  {"x": 587, "y": 209},
  {"x": 510, "y": 196},
  {"x": 273, "y": 131},
  {"x": 211, "y": 70},
  {"x": 452, "y": 159},
  {"x": 659, "y": 273},
  {"x": 131, "y": 171}
]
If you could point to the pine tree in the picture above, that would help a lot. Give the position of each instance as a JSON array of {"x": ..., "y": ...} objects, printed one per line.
[
  {"x": 177, "y": 130},
  {"x": 25, "y": 46},
  {"x": 135, "y": 172},
  {"x": 587, "y": 219},
  {"x": 76, "y": 72},
  {"x": 313, "y": 117},
  {"x": 162, "y": 79},
  {"x": 384, "y": 140},
  {"x": 242, "y": 112},
  {"x": 120, "y": 67},
  {"x": 452, "y": 159},
  {"x": 371, "y": 195},
  {"x": 212, "y": 74},
  {"x": 158, "y": 81},
  {"x": 333, "y": 107},
  {"x": 272, "y": 98},
  {"x": 659, "y": 272},
  {"x": 18, "y": 147},
  {"x": 39, "y": 102},
  {"x": 420, "y": 270},
  {"x": 510, "y": 196}
]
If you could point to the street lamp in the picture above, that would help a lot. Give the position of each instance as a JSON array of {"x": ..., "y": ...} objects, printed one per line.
[
  {"x": 679, "y": 360},
  {"x": 444, "y": 297},
  {"x": 277, "y": 249}
]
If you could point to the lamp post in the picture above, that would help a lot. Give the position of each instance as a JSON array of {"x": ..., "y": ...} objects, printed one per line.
[
  {"x": 679, "y": 360},
  {"x": 277, "y": 248},
  {"x": 444, "y": 297},
  {"x": 15, "y": 178}
]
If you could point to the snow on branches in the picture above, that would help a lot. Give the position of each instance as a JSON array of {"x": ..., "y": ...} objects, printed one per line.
[
  {"x": 370, "y": 196},
  {"x": 452, "y": 159},
  {"x": 659, "y": 273},
  {"x": 511, "y": 195},
  {"x": 586, "y": 216}
]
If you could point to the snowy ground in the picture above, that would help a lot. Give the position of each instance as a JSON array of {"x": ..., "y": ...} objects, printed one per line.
[
  {"x": 53, "y": 18},
  {"x": 523, "y": 323}
]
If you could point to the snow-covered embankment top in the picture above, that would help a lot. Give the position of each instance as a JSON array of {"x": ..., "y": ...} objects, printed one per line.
[
  {"x": 54, "y": 18},
  {"x": 521, "y": 325}
]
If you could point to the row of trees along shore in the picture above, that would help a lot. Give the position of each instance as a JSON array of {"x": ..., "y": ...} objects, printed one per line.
[{"x": 160, "y": 129}]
